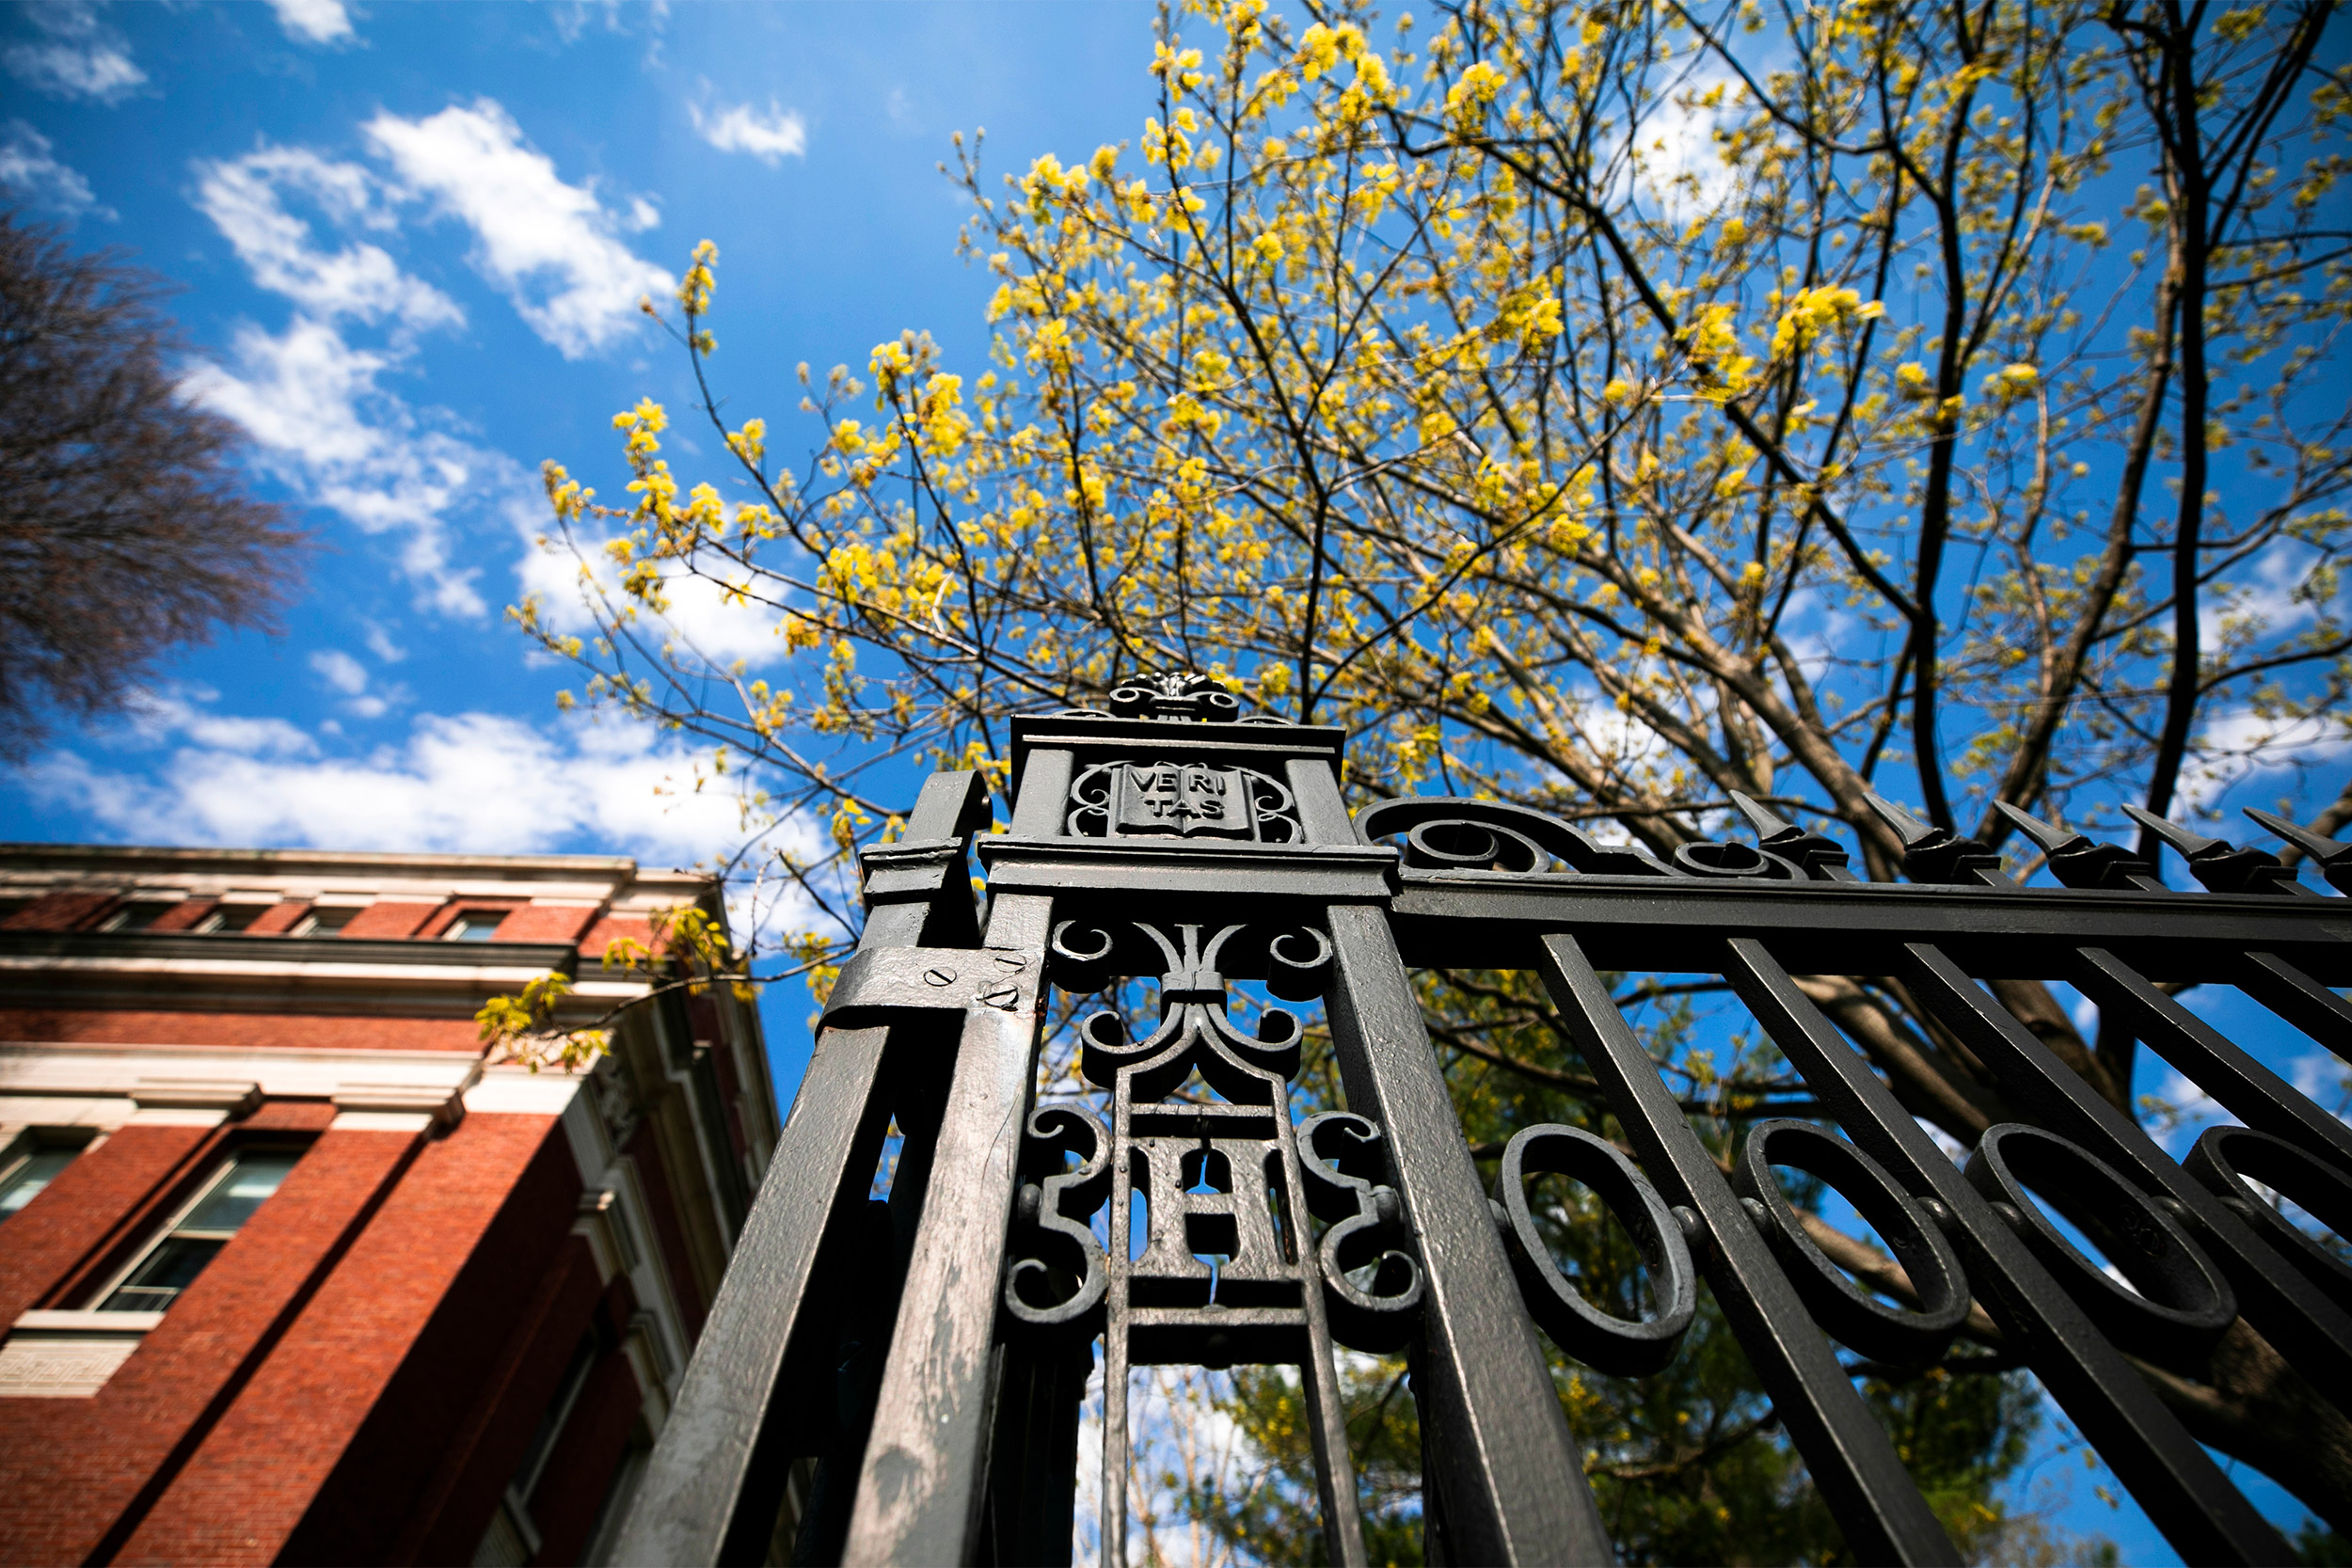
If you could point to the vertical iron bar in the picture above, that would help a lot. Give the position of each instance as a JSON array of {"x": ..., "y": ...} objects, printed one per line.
[
  {"x": 2302, "y": 1001},
  {"x": 1038, "y": 811},
  {"x": 1509, "y": 1478},
  {"x": 2248, "y": 1090},
  {"x": 2290, "y": 1312},
  {"x": 2204, "y": 1517},
  {"x": 1117, "y": 1258},
  {"x": 1318, "y": 1373},
  {"x": 920, "y": 1493},
  {"x": 1845, "y": 1449},
  {"x": 690, "y": 1507}
]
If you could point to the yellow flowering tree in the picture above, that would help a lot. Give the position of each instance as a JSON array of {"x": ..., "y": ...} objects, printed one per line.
[{"x": 1602, "y": 406}]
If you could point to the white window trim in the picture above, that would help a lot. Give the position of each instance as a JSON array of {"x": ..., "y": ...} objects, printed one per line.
[{"x": 204, "y": 1189}]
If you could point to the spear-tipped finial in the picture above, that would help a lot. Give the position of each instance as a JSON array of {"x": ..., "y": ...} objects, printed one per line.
[
  {"x": 2332, "y": 856},
  {"x": 1934, "y": 854},
  {"x": 2081, "y": 862},
  {"x": 1823, "y": 858},
  {"x": 2222, "y": 866}
]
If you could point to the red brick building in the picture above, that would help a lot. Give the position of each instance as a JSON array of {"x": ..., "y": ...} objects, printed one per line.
[{"x": 288, "y": 1271}]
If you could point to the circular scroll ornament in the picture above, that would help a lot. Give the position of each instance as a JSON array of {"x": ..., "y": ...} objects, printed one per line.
[
  {"x": 2180, "y": 1303},
  {"x": 1622, "y": 1347},
  {"x": 1371, "y": 1288},
  {"x": 2228, "y": 1159},
  {"x": 1056, "y": 1278},
  {"x": 1903, "y": 1337}
]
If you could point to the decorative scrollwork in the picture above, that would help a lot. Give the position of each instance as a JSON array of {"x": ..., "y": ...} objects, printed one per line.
[
  {"x": 2228, "y": 1159},
  {"x": 1370, "y": 1287},
  {"x": 1178, "y": 695},
  {"x": 1194, "y": 1030},
  {"x": 1182, "y": 800},
  {"x": 1735, "y": 860},
  {"x": 1451, "y": 834},
  {"x": 1621, "y": 1347},
  {"x": 1904, "y": 1338},
  {"x": 2181, "y": 1303},
  {"x": 1056, "y": 1278},
  {"x": 1227, "y": 1266}
]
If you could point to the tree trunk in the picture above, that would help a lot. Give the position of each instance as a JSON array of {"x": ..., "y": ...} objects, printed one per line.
[{"x": 2260, "y": 1409}]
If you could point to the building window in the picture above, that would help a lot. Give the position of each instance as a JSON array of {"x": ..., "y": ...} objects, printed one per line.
[
  {"x": 322, "y": 922},
  {"x": 138, "y": 914},
  {"x": 475, "y": 925},
  {"x": 25, "y": 1170},
  {"x": 228, "y": 919},
  {"x": 179, "y": 1252},
  {"x": 513, "y": 1538}
]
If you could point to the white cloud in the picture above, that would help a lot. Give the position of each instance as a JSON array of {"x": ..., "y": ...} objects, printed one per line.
[
  {"x": 778, "y": 134},
  {"x": 246, "y": 199},
  {"x": 2325, "y": 1081},
  {"x": 83, "y": 57},
  {"x": 2196, "y": 1111},
  {"x": 156, "y": 718},
  {"x": 549, "y": 245},
  {"x": 29, "y": 170},
  {"x": 312, "y": 402},
  {"x": 701, "y": 615},
  {"x": 313, "y": 21},
  {"x": 341, "y": 670},
  {"x": 349, "y": 676},
  {"x": 1673, "y": 157},
  {"x": 380, "y": 643},
  {"x": 470, "y": 782}
]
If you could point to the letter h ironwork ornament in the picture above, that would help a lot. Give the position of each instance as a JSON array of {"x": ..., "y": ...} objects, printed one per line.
[
  {"x": 901, "y": 1379},
  {"x": 1227, "y": 1268}
]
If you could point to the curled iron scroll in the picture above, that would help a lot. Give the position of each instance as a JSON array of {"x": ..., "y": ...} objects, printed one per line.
[
  {"x": 1056, "y": 1278},
  {"x": 1622, "y": 1347},
  {"x": 1445, "y": 832},
  {"x": 1848, "y": 1313},
  {"x": 1340, "y": 1158},
  {"x": 2180, "y": 1303},
  {"x": 1294, "y": 963},
  {"x": 2226, "y": 1159},
  {"x": 1734, "y": 860}
]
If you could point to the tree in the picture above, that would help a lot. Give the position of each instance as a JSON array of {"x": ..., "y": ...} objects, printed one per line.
[
  {"x": 1603, "y": 408},
  {"x": 126, "y": 529}
]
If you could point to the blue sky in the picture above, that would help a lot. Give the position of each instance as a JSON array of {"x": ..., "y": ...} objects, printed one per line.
[{"x": 412, "y": 238}]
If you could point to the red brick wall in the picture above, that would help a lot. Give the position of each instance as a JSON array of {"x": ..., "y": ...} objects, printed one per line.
[
  {"x": 59, "y": 911},
  {"x": 580, "y": 1470},
  {"x": 388, "y": 920},
  {"x": 469, "y": 1246},
  {"x": 548, "y": 922},
  {"x": 80, "y": 1473},
  {"x": 610, "y": 929},
  {"x": 281, "y": 916},
  {"x": 186, "y": 915},
  {"x": 64, "y": 1226},
  {"x": 531, "y": 1374},
  {"x": 339, "y": 1395},
  {"x": 322, "y": 1031}
]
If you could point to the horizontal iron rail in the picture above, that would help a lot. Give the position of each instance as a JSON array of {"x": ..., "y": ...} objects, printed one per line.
[{"x": 1487, "y": 920}]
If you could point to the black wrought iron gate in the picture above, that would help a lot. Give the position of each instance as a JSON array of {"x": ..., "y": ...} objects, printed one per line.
[{"x": 930, "y": 1352}]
